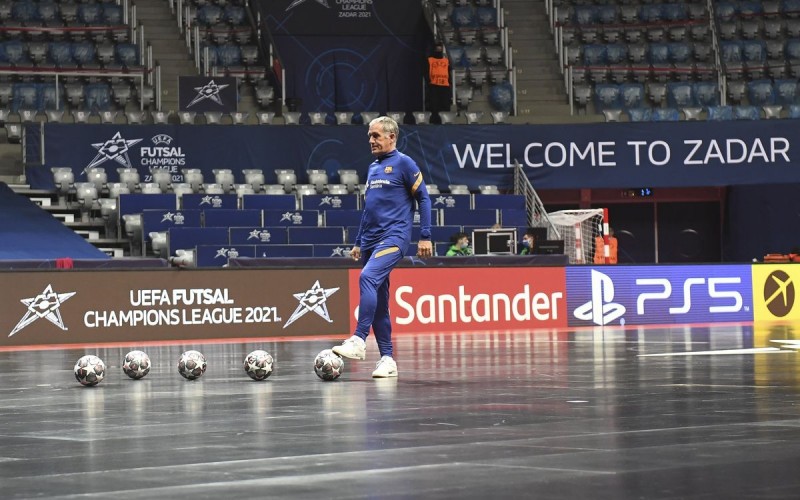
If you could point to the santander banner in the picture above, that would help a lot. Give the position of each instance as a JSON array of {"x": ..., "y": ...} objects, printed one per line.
[{"x": 467, "y": 299}]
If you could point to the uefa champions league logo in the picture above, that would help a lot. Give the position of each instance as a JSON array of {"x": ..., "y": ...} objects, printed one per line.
[
  {"x": 208, "y": 91},
  {"x": 45, "y": 305},
  {"x": 115, "y": 149},
  {"x": 312, "y": 300}
]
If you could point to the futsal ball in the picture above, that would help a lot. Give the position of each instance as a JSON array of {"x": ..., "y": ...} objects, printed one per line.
[
  {"x": 192, "y": 365},
  {"x": 328, "y": 365},
  {"x": 90, "y": 370},
  {"x": 136, "y": 364},
  {"x": 258, "y": 365}
]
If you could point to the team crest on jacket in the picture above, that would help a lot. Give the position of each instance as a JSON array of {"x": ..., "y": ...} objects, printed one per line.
[{"x": 387, "y": 169}]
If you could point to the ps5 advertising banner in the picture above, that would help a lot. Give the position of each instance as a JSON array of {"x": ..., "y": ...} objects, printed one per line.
[
  {"x": 79, "y": 307},
  {"x": 552, "y": 156},
  {"x": 207, "y": 93},
  {"x": 653, "y": 295}
]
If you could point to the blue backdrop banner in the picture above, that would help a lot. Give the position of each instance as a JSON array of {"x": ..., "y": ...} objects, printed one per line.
[{"x": 553, "y": 156}]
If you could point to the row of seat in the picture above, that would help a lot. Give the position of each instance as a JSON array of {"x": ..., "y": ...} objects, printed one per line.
[
  {"x": 710, "y": 113},
  {"x": 70, "y": 55},
  {"x": 51, "y": 13},
  {"x": 25, "y": 98}
]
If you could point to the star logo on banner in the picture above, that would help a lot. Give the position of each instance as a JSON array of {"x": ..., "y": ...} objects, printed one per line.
[
  {"x": 326, "y": 200},
  {"x": 254, "y": 234},
  {"x": 312, "y": 300},
  {"x": 440, "y": 200},
  {"x": 208, "y": 91},
  {"x": 286, "y": 216},
  {"x": 295, "y": 3},
  {"x": 340, "y": 252},
  {"x": 206, "y": 200},
  {"x": 115, "y": 149},
  {"x": 222, "y": 252},
  {"x": 45, "y": 305},
  {"x": 168, "y": 217}
]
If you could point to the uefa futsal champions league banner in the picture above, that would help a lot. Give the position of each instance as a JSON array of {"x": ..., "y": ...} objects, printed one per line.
[
  {"x": 134, "y": 307},
  {"x": 552, "y": 156}
]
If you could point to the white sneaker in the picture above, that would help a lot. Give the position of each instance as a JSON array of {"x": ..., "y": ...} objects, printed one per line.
[
  {"x": 386, "y": 368},
  {"x": 353, "y": 348}
]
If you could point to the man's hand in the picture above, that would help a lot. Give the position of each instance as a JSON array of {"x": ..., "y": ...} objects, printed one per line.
[
  {"x": 424, "y": 248},
  {"x": 355, "y": 253}
]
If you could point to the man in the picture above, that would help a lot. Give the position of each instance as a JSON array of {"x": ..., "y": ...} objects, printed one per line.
[
  {"x": 438, "y": 83},
  {"x": 460, "y": 245},
  {"x": 528, "y": 242},
  {"x": 394, "y": 183}
]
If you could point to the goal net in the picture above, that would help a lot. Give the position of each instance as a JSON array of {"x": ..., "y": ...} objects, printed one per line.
[{"x": 579, "y": 230}]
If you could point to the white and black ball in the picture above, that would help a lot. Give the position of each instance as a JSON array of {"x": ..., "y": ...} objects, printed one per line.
[
  {"x": 136, "y": 364},
  {"x": 90, "y": 370},
  {"x": 258, "y": 364},
  {"x": 192, "y": 365},
  {"x": 328, "y": 365}
]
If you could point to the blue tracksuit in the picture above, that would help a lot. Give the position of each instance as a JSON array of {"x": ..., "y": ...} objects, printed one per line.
[{"x": 393, "y": 183}]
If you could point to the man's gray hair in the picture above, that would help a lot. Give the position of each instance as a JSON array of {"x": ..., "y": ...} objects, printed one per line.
[{"x": 388, "y": 125}]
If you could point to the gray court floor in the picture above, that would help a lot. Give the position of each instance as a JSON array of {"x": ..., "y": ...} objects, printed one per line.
[{"x": 546, "y": 414}]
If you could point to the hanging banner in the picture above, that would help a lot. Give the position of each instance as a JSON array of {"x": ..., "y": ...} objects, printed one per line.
[{"x": 552, "y": 156}]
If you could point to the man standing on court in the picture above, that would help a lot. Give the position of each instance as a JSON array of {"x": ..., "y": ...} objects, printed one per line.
[{"x": 394, "y": 183}]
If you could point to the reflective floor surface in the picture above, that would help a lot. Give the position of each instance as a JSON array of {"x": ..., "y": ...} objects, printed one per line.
[{"x": 680, "y": 412}]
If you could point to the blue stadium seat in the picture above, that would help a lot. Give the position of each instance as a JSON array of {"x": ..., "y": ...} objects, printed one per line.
[
  {"x": 486, "y": 218},
  {"x": 761, "y": 92},
  {"x": 24, "y": 96},
  {"x": 794, "y": 111},
  {"x": 785, "y": 91},
  {"x": 448, "y": 201},
  {"x": 616, "y": 53},
  {"x": 706, "y": 94},
  {"x": 209, "y": 15},
  {"x": 60, "y": 54},
  {"x": 463, "y": 16},
  {"x": 631, "y": 95},
  {"x": 665, "y": 115},
  {"x": 326, "y": 202},
  {"x": 754, "y": 51},
  {"x": 720, "y": 113},
  {"x": 258, "y": 235},
  {"x": 229, "y": 55},
  {"x": 793, "y": 49},
  {"x": 606, "y": 96},
  {"x": 312, "y": 235},
  {"x": 658, "y": 53},
  {"x": 48, "y": 97},
  {"x": 14, "y": 51},
  {"x": 127, "y": 54},
  {"x": 679, "y": 52},
  {"x": 651, "y": 13},
  {"x": 731, "y": 52},
  {"x": 332, "y": 251},
  {"x": 515, "y": 201},
  {"x": 510, "y": 217},
  {"x": 97, "y": 97},
  {"x": 486, "y": 16},
  {"x": 234, "y": 15},
  {"x": 210, "y": 201},
  {"x": 24, "y": 12},
  {"x": 595, "y": 55},
  {"x": 586, "y": 14},
  {"x": 186, "y": 238},
  {"x": 218, "y": 255},
  {"x": 159, "y": 220},
  {"x": 284, "y": 251},
  {"x": 84, "y": 53},
  {"x": 291, "y": 218},
  {"x": 746, "y": 113},
  {"x": 112, "y": 14},
  {"x": 640, "y": 114},
  {"x": 675, "y": 11},
  {"x": 343, "y": 217},
  {"x": 680, "y": 95},
  {"x": 89, "y": 14},
  {"x": 270, "y": 202},
  {"x": 230, "y": 217},
  {"x": 726, "y": 11}
]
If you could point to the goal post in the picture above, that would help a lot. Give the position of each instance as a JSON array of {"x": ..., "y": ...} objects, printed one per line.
[{"x": 580, "y": 230}]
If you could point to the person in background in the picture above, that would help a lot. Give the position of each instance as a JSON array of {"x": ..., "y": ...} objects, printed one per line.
[
  {"x": 438, "y": 83},
  {"x": 460, "y": 245},
  {"x": 599, "y": 244},
  {"x": 528, "y": 242}
]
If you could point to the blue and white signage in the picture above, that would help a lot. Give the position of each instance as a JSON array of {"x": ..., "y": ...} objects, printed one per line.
[{"x": 606, "y": 295}]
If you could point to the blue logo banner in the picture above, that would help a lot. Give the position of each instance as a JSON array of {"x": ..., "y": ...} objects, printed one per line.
[
  {"x": 606, "y": 295},
  {"x": 552, "y": 156}
]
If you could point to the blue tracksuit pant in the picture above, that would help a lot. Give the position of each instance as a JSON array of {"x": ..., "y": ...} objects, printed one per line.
[{"x": 373, "y": 306}]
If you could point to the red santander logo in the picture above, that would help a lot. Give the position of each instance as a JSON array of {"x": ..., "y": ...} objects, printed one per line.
[{"x": 465, "y": 299}]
